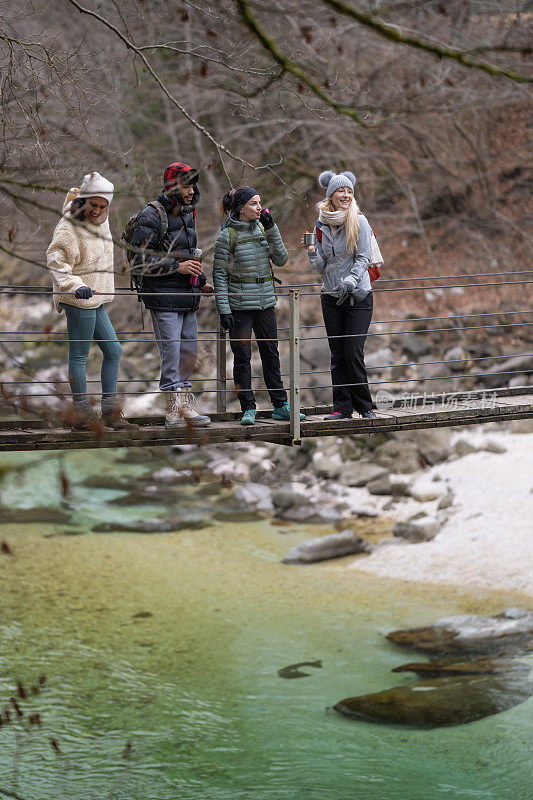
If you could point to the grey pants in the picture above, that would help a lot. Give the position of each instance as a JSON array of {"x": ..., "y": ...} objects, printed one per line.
[{"x": 176, "y": 336}]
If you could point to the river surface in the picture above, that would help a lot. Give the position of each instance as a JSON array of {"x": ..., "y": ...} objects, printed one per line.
[{"x": 161, "y": 655}]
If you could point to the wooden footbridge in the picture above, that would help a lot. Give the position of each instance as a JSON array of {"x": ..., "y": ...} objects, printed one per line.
[
  {"x": 500, "y": 405},
  {"x": 43, "y": 430}
]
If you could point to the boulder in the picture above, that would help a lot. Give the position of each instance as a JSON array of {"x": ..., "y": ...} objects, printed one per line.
[
  {"x": 512, "y": 630},
  {"x": 424, "y": 490},
  {"x": 256, "y": 496},
  {"x": 359, "y": 473},
  {"x": 312, "y": 513},
  {"x": 459, "y": 358},
  {"x": 416, "y": 345},
  {"x": 478, "y": 666},
  {"x": 379, "y": 358},
  {"x": 433, "y": 445},
  {"x": 398, "y": 455},
  {"x": 335, "y": 545},
  {"x": 388, "y": 485},
  {"x": 286, "y": 498},
  {"x": 441, "y": 701},
  {"x": 446, "y": 501},
  {"x": 418, "y": 530},
  {"x": 494, "y": 447},
  {"x": 327, "y": 466},
  {"x": 522, "y": 363},
  {"x": 464, "y": 448}
]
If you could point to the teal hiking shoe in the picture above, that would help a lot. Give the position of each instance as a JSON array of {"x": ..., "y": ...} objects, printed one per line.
[
  {"x": 248, "y": 418},
  {"x": 284, "y": 413}
]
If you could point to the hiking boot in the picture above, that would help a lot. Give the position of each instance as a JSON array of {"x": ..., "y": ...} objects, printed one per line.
[
  {"x": 88, "y": 420},
  {"x": 181, "y": 411},
  {"x": 336, "y": 415},
  {"x": 284, "y": 413},
  {"x": 117, "y": 421},
  {"x": 248, "y": 418},
  {"x": 189, "y": 411}
]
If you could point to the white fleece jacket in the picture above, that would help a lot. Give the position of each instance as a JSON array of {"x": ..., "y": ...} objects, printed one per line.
[{"x": 81, "y": 255}]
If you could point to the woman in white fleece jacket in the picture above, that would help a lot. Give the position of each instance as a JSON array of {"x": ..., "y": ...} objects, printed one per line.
[{"x": 80, "y": 260}]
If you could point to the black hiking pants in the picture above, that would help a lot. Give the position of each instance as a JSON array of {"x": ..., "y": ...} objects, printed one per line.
[
  {"x": 347, "y": 327},
  {"x": 263, "y": 324}
]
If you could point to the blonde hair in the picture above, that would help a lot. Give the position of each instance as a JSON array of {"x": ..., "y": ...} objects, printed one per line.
[{"x": 351, "y": 223}]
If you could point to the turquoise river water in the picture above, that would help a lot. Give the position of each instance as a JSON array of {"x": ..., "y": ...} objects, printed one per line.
[{"x": 161, "y": 655}]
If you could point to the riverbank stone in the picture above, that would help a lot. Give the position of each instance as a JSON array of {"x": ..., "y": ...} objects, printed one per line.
[
  {"x": 322, "y": 548},
  {"x": 360, "y": 473},
  {"x": 510, "y": 631},
  {"x": 418, "y": 530}
]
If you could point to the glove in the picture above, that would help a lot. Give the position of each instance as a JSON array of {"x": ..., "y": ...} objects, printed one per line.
[
  {"x": 227, "y": 321},
  {"x": 265, "y": 218},
  {"x": 84, "y": 292},
  {"x": 347, "y": 285}
]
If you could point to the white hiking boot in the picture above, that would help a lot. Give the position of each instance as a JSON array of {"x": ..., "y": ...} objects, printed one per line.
[{"x": 181, "y": 411}]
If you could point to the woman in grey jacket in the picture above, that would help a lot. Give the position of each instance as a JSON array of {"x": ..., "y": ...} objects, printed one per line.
[
  {"x": 342, "y": 257},
  {"x": 243, "y": 279}
]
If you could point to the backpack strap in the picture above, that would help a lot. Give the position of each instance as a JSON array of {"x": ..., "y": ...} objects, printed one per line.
[{"x": 163, "y": 218}]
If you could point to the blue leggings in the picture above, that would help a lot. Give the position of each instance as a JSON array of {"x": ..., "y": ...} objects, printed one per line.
[{"x": 84, "y": 325}]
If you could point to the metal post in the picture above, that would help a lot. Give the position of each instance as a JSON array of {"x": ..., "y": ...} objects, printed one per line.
[
  {"x": 294, "y": 363},
  {"x": 221, "y": 370}
]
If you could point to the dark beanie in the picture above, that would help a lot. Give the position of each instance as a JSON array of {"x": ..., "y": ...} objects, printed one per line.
[{"x": 241, "y": 197}]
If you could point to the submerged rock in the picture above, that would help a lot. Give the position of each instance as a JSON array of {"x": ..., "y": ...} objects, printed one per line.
[
  {"x": 441, "y": 701},
  {"x": 160, "y": 525},
  {"x": 479, "y": 666},
  {"x": 510, "y": 631},
  {"x": 28, "y": 515},
  {"x": 322, "y": 548}
]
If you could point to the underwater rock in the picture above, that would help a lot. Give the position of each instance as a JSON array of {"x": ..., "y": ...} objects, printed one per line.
[
  {"x": 157, "y": 525},
  {"x": 322, "y": 548},
  {"x": 441, "y": 701},
  {"x": 479, "y": 666},
  {"x": 53, "y": 516},
  {"x": 510, "y": 631},
  {"x": 110, "y": 482},
  {"x": 149, "y": 495}
]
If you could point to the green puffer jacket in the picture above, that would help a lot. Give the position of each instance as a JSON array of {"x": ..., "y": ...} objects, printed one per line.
[{"x": 254, "y": 249}]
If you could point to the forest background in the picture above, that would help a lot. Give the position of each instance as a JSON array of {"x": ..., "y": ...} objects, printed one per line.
[{"x": 427, "y": 102}]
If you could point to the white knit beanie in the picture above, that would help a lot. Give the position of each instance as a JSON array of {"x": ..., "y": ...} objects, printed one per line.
[
  {"x": 331, "y": 182},
  {"x": 95, "y": 185}
]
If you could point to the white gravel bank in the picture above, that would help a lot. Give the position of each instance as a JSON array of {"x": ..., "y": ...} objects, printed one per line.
[{"x": 488, "y": 539}]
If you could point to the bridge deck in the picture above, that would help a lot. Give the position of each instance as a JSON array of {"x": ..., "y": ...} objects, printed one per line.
[{"x": 442, "y": 411}]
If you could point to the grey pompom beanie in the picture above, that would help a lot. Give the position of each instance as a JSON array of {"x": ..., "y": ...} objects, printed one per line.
[{"x": 330, "y": 181}]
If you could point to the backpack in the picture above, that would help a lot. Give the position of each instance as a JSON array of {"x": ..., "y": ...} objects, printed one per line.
[
  {"x": 233, "y": 239},
  {"x": 376, "y": 259},
  {"x": 127, "y": 235}
]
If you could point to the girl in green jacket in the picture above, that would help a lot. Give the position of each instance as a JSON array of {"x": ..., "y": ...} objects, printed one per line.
[{"x": 243, "y": 279}]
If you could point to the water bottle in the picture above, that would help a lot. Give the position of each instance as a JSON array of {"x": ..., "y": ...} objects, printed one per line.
[{"x": 197, "y": 257}]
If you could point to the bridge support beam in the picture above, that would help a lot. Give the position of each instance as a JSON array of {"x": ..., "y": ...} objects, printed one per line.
[
  {"x": 294, "y": 364},
  {"x": 221, "y": 371}
]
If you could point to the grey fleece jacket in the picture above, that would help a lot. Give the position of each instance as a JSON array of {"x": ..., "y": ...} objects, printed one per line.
[{"x": 333, "y": 261}]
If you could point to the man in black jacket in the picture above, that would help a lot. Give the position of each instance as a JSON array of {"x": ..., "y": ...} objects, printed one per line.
[{"x": 171, "y": 284}]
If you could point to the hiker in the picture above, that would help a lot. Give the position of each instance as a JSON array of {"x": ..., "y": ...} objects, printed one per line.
[
  {"x": 244, "y": 286},
  {"x": 171, "y": 284},
  {"x": 342, "y": 256},
  {"x": 80, "y": 260}
]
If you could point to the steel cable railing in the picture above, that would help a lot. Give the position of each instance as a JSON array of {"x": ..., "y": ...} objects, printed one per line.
[{"x": 295, "y": 340}]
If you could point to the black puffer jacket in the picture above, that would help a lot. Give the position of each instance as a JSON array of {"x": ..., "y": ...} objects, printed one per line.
[{"x": 166, "y": 280}]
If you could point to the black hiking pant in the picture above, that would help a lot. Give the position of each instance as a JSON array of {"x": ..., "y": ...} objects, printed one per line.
[
  {"x": 263, "y": 324},
  {"x": 346, "y": 327}
]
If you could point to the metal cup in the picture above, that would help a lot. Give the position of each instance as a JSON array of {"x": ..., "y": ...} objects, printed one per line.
[{"x": 310, "y": 239}]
